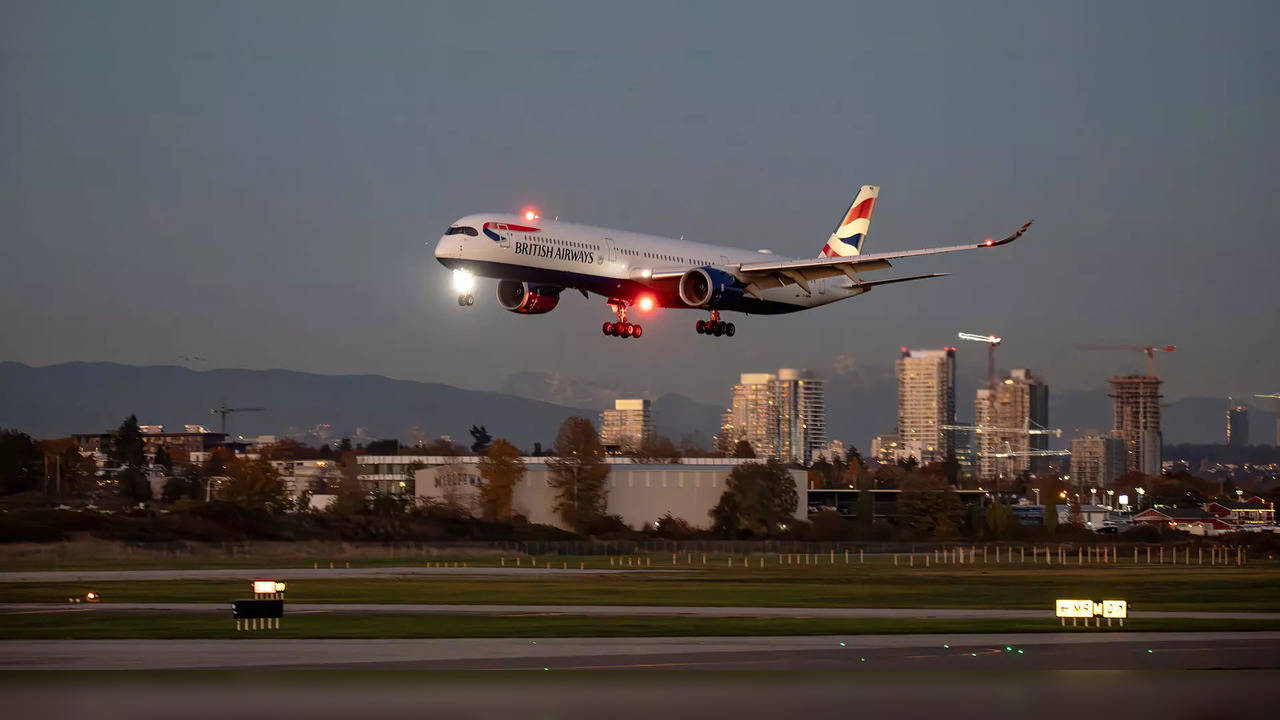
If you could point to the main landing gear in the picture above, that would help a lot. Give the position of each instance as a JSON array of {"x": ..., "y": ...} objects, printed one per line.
[
  {"x": 466, "y": 300},
  {"x": 715, "y": 326},
  {"x": 621, "y": 328}
]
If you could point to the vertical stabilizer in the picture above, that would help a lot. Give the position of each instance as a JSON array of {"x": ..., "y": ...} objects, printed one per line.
[{"x": 852, "y": 231}]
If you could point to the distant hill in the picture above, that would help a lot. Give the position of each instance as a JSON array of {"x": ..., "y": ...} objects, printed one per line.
[{"x": 58, "y": 400}]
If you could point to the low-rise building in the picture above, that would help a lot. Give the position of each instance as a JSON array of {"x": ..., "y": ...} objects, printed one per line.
[
  {"x": 638, "y": 493},
  {"x": 1194, "y": 520}
]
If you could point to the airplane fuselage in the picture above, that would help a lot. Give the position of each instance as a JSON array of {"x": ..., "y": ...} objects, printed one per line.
[{"x": 608, "y": 262}]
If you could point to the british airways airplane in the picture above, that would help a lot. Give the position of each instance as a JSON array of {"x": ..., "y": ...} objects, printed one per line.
[{"x": 535, "y": 260}]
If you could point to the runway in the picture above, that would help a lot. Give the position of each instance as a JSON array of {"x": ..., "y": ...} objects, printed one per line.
[
  {"x": 609, "y": 611},
  {"x": 942, "y": 652},
  {"x": 56, "y": 576}
]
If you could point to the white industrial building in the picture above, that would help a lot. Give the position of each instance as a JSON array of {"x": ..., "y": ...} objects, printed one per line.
[{"x": 639, "y": 493}]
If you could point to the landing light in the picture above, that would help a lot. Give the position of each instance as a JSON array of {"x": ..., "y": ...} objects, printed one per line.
[
  {"x": 463, "y": 281},
  {"x": 530, "y": 214},
  {"x": 988, "y": 242},
  {"x": 646, "y": 272},
  {"x": 646, "y": 303}
]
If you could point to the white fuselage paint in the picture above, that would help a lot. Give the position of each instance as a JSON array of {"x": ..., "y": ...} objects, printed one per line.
[{"x": 608, "y": 262}]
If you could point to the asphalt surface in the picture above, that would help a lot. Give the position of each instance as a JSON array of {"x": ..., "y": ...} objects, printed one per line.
[
  {"x": 55, "y": 576},
  {"x": 941, "y": 652},
  {"x": 606, "y": 611}
]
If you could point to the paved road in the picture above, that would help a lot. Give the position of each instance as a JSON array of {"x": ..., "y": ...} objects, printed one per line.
[
  {"x": 608, "y": 611},
  {"x": 55, "y": 576},
  {"x": 995, "y": 651}
]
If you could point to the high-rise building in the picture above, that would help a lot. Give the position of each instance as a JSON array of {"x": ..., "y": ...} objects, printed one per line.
[
  {"x": 926, "y": 402},
  {"x": 1136, "y": 420},
  {"x": 627, "y": 426},
  {"x": 1237, "y": 424},
  {"x": 802, "y": 416},
  {"x": 1097, "y": 459},
  {"x": 1020, "y": 403},
  {"x": 753, "y": 414},
  {"x": 886, "y": 449},
  {"x": 782, "y": 416}
]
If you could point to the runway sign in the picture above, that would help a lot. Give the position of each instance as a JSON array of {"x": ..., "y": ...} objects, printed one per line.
[{"x": 1110, "y": 609}]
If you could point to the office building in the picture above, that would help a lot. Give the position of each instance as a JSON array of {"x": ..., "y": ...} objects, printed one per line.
[
  {"x": 926, "y": 402},
  {"x": 802, "y": 416},
  {"x": 1136, "y": 420},
  {"x": 782, "y": 416},
  {"x": 627, "y": 426},
  {"x": 1097, "y": 459},
  {"x": 887, "y": 449},
  {"x": 1019, "y": 404},
  {"x": 1237, "y": 424}
]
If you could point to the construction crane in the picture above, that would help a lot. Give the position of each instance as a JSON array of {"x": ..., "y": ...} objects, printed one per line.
[
  {"x": 224, "y": 411},
  {"x": 1150, "y": 351},
  {"x": 992, "y": 341}
]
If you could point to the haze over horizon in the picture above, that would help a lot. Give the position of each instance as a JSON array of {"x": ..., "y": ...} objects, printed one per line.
[{"x": 261, "y": 186}]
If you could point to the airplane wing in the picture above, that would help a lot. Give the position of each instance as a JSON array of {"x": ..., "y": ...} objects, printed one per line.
[{"x": 767, "y": 275}]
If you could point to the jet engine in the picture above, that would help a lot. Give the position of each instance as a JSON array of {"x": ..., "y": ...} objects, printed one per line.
[
  {"x": 527, "y": 298},
  {"x": 707, "y": 287}
]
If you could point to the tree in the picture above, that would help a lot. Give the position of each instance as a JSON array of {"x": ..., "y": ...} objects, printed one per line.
[
  {"x": 929, "y": 505},
  {"x": 383, "y": 447},
  {"x": 999, "y": 520},
  {"x": 254, "y": 484},
  {"x": 657, "y": 448},
  {"x": 758, "y": 500},
  {"x": 578, "y": 473},
  {"x": 1075, "y": 517},
  {"x": 502, "y": 469},
  {"x": 21, "y": 464},
  {"x": 743, "y": 449},
  {"x": 482, "y": 439},
  {"x": 127, "y": 454},
  {"x": 164, "y": 461}
]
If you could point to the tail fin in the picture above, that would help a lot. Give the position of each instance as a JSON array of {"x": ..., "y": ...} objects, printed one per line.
[{"x": 852, "y": 230}]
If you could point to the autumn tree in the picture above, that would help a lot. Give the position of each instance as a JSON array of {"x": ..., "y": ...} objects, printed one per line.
[
  {"x": 929, "y": 505},
  {"x": 578, "y": 473},
  {"x": 758, "y": 498},
  {"x": 502, "y": 469},
  {"x": 254, "y": 484},
  {"x": 743, "y": 449}
]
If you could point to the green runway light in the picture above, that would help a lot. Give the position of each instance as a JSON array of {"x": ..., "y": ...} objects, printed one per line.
[
  {"x": 1150, "y": 651},
  {"x": 946, "y": 647},
  {"x": 1019, "y": 652},
  {"x": 973, "y": 654},
  {"x": 1008, "y": 649},
  {"x": 841, "y": 644},
  {"x": 864, "y": 659}
]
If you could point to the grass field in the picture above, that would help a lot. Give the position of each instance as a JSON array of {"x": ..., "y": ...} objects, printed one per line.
[
  {"x": 104, "y": 626},
  {"x": 1248, "y": 589}
]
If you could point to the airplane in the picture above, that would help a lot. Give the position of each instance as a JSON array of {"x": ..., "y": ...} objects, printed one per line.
[{"x": 535, "y": 260}]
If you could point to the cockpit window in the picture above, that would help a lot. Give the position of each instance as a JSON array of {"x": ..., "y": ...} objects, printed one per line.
[{"x": 461, "y": 230}]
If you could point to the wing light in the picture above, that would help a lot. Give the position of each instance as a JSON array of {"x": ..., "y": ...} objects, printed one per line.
[{"x": 530, "y": 214}]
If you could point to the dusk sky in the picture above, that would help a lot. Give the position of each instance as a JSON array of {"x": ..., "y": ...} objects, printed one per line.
[{"x": 262, "y": 184}]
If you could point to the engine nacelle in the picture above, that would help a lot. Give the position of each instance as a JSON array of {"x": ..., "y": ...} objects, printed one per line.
[
  {"x": 526, "y": 298},
  {"x": 707, "y": 287}
]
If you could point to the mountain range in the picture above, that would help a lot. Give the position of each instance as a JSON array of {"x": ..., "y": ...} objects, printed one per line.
[{"x": 57, "y": 400}]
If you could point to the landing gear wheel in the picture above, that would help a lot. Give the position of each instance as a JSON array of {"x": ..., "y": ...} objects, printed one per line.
[
  {"x": 637, "y": 331},
  {"x": 701, "y": 327},
  {"x": 719, "y": 329},
  {"x": 608, "y": 328},
  {"x": 471, "y": 300},
  {"x": 730, "y": 330},
  {"x": 628, "y": 329}
]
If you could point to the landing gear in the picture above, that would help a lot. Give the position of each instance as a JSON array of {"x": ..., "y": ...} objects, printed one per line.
[
  {"x": 715, "y": 326},
  {"x": 466, "y": 300},
  {"x": 622, "y": 328}
]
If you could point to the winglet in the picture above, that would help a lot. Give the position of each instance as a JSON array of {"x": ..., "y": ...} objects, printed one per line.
[{"x": 992, "y": 243}]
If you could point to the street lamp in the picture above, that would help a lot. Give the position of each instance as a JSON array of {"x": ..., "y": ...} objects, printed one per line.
[
  {"x": 1141, "y": 496},
  {"x": 1037, "y": 492},
  {"x": 1111, "y": 505}
]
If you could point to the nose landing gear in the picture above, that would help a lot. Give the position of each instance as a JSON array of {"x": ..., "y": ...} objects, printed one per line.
[
  {"x": 715, "y": 326},
  {"x": 621, "y": 328},
  {"x": 466, "y": 300}
]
